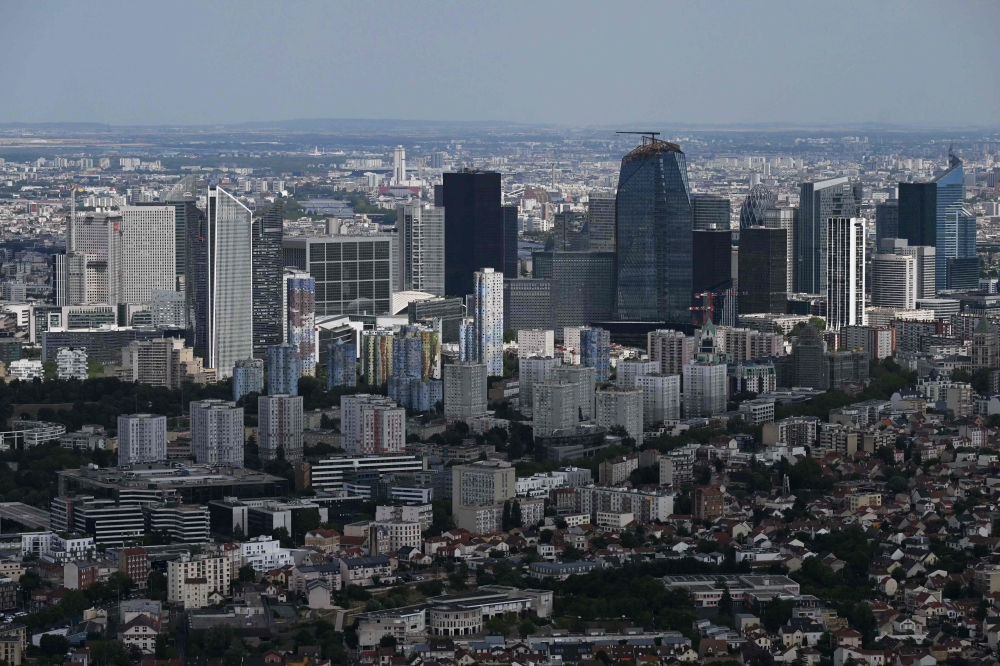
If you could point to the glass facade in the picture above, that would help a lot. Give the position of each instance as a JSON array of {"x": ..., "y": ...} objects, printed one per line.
[
  {"x": 759, "y": 199},
  {"x": 818, "y": 202},
  {"x": 709, "y": 211},
  {"x": 653, "y": 235},
  {"x": 952, "y": 221},
  {"x": 918, "y": 213},
  {"x": 474, "y": 228},
  {"x": 582, "y": 290},
  {"x": 886, "y": 221},
  {"x": 763, "y": 275},
  {"x": 712, "y": 276},
  {"x": 267, "y": 272}
]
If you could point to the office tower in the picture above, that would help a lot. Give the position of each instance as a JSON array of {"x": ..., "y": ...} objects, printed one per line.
[
  {"x": 535, "y": 342},
  {"x": 399, "y": 166},
  {"x": 354, "y": 274},
  {"x": 661, "y": 397},
  {"x": 279, "y": 427},
  {"x": 376, "y": 356},
  {"x": 653, "y": 235},
  {"x": 300, "y": 298},
  {"x": 570, "y": 231},
  {"x": 162, "y": 362},
  {"x": 465, "y": 389},
  {"x": 705, "y": 389},
  {"x": 248, "y": 377},
  {"x": 147, "y": 242},
  {"x": 169, "y": 309},
  {"x": 475, "y": 228},
  {"x": 371, "y": 425},
  {"x": 221, "y": 285},
  {"x": 845, "y": 296},
  {"x": 709, "y": 211},
  {"x": 217, "y": 432},
  {"x": 555, "y": 406},
  {"x": 450, "y": 311},
  {"x": 788, "y": 219},
  {"x": 531, "y": 372},
  {"x": 918, "y": 213},
  {"x": 818, "y": 202},
  {"x": 142, "y": 438},
  {"x": 582, "y": 286},
  {"x": 886, "y": 220},
  {"x": 758, "y": 201},
  {"x": 71, "y": 363},
  {"x": 342, "y": 365},
  {"x": 712, "y": 275},
  {"x": 420, "y": 228},
  {"x": 618, "y": 407},
  {"x": 585, "y": 380},
  {"x": 95, "y": 256},
  {"x": 894, "y": 281},
  {"x": 510, "y": 228},
  {"x": 601, "y": 221},
  {"x": 488, "y": 320},
  {"x": 956, "y": 250},
  {"x": 595, "y": 352},
  {"x": 925, "y": 262},
  {"x": 283, "y": 370},
  {"x": 267, "y": 279},
  {"x": 182, "y": 197},
  {"x": 671, "y": 349},
  {"x": 763, "y": 280},
  {"x": 628, "y": 369},
  {"x": 809, "y": 365},
  {"x": 985, "y": 351}
]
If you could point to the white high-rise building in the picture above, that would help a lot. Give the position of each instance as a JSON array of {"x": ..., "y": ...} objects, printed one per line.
[
  {"x": 94, "y": 238},
  {"x": 71, "y": 363},
  {"x": 399, "y": 166},
  {"x": 601, "y": 221},
  {"x": 465, "y": 389},
  {"x": 705, "y": 389},
  {"x": 628, "y": 369},
  {"x": 621, "y": 407},
  {"x": 531, "y": 372},
  {"x": 148, "y": 242},
  {"x": 488, "y": 285},
  {"x": 556, "y": 406},
  {"x": 371, "y": 424},
  {"x": 142, "y": 438},
  {"x": 845, "y": 272},
  {"x": 672, "y": 349},
  {"x": 535, "y": 342},
  {"x": 230, "y": 279},
  {"x": 926, "y": 262},
  {"x": 279, "y": 424},
  {"x": 421, "y": 248},
  {"x": 661, "y": 397},
  {"x": 217, "y": 432},
  {"x": 894, "y": 281},
  {"x": 585, "y": 379}
]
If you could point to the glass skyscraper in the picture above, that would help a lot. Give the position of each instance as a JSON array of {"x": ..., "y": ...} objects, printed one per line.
[
  {"x": 956, "y": 228},
  {"x": 479, "y": 231},
  {"x": 710, "y": 211},
  {"x": 918, "y": 213},
  {"x": 818, "y": 202},
  {"x": 759, "y": 199},
  {"x": 267, "y": 279},
  {"x": 886, "y": 221},
  {"x": 653, "y": 235}
]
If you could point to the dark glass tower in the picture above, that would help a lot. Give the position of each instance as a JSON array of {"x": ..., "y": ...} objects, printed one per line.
[
  {"x": 918, "y": 213},
  {"x": 763, "y": 275},
  {"x": 709, "y": 211},
  {"x": 818, "y": 202},
  {"x": 474, "y": 229},
  {"x": 653, "y": 235},
  {"x": 196, "y": 279},
  {"x": 267, "y": 279},
  {"x": 759, "y": 199},
  {"x": 712, "y": 276},
  {"x": 509, "y": 266},
  {"x": 886, "y": 221}
]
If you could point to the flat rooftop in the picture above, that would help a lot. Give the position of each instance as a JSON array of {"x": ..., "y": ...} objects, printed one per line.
[
  {"x": 165, "y": 475},
  {"x": 26, "y": 515}
]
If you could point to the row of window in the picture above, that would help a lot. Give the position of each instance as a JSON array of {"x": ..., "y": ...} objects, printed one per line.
[
  {"x": 362, "y": 270},
  {"x": 363, "y": 251}
]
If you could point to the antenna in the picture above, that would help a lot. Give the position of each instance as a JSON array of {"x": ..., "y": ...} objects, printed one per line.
[{"x": 647, "y": 137}]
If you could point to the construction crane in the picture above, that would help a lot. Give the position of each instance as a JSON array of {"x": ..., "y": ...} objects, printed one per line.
[{"x": 651, "y": 135}]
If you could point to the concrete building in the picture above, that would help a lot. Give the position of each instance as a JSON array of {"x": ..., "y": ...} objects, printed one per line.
[
  {"x": 845, "y": 272},
  {"x": 248, "y": 377},
  {"x": 26, "y": 369},
  {"x": 420, "y": 227},
  {"x": 342, "y": 365},
  {"x": 283, "y": 370},
  {"x": 595, "y": 352},
  {"x": 162, "y": 362},
  {"x": 705, "y": 390},
  {"x": 190, "y": 580},
  {"x": 142, "y": 438},
  {"x": 585, "y": 379},
  {"x": 661, "y": 397},
  {"x": 71, "y": 363},
  {"x": 616, "y": 471},
  {"x": 300, "y": 320},
  {"x": 672, "y": 349},
  {"x": 217, "y": 432},
  {"x": 621, "y": 407},
  {"x": 279, "y": 426},
  {"x": 147, "y": 245},
  {"x": 372, "y": 424},
  {"x": 555, "y": 407},
  {"x": 894, "y": 281},
  {"x": 465, "y": 389},
  {"x": 535, "y": 342},
  {"x": 628, "y": 370},
  {"x": 488, "y": 320},
  {"x": 533, "y": 371}
]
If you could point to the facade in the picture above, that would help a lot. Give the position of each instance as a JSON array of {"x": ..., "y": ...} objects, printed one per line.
[
  {"x": 845, "y": 266},
  {"x": 581, "y": 284},
  {"x": 533, "y": 371},
  {"x": 555, "y": 407},
  {"x": 484, "y": 484},
  {"x": 758, "y": 201},
  {"x": 26, "y": 369},
  {"x": 94, "y": 239},
  {"x": 488, "y": 320},
  {"x": 756, "y": 377},
  {"x": 283, "y": 370},
  {"x": 661, "y": 397},
  {"x": 328, "y": 474},
  {"x": 465, "y": 389},
  {"x": 421, "y": 248},
  {"x": 189, "y": 581},
  {"x": 601, "y": 221},
  {"x": 818, "y": 202},
  {"x": 280, "y": 425},
  {"x": 450, "y": 311},
  {"x": 354, "y": 274},
  {"x": 217, "y": 432},
  {"x": 372, "y": 424},
  {"x": 925, "y": 258},
  {"x": 161, "y": 362},
  {"x": 142, "y": 438},
  {"x": 886, "y": 221},
  {"x": 809, "y": 366},
  {"x": 628, "y": 370},
  {"x": 985, "y": 352},
  {"x": 786, "y": 218},
  {"x": 709, "y": 211},
  {"x": 376, "y": 356},
  {"x": 918, "y": 213},
  {"x": 527, "y": 303},
  {"x": 956, "y": 228},
  {"x": 342, "y": 365},
  {"x": 621, "y": 407},
  {"x": 585, "y": 380},
  {"x": 147, "y": 246},
  {"x": 535, "y": 342},
  {"x": 763, "y": 273},
  {"x": 653, "y": 235},
  {"x": 300, "y": 311},
  {"x": 672, "y": 349},
  {"x": 894, "y": 281},
  {"x": 595, "y": 352},
  {"x": 712, "y": 276},
  {"x": 248, "y": 377},
  {"x": 71, "y": 363},
  {"x": 267, "y": 270},
  {"x": 705, "y": 390}
]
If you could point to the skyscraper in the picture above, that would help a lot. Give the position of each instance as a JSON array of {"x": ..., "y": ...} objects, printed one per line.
[
  {"x": 248, "y": 377},
  {"x": 464, "y": 389},
  {"x": 886, "y": 220},
  {"x": 300, "y": 297},
  {"x": 182, "y": 197},
  {"x": 217, "y": 432},
  {"x": 142, "y": 438},
  {"x": 421, "y": 248},
  {"x": 956, "y": 228},
  {"x": 581, "y": 283},
  {"x": 595, "y": 352},
  {"x": 712, "y": 276},
  {"x": 809, "y": 365},
  {"x": 818, "y": 202},
  {"x": 709, "y": 211},
  {"x": 601, "y": 221},
  {"x": 267, "y": 273},
  {"x": 763, "y": 281},
  {"x": 226, "y": 311},
  {"x": 399, "y": 166},
  {"x": 146, "y": 240},
  {"x": 918, "y": 213},
  {"x": 475, "y": 234},
  {"x": 488, "y": 319},
  {"x": 671, "y": 349},
  {"x": 283, "y": 370},
  {"x": 342, "y": 365},
  {"x": 279, "y": 427},
  {"x": 786, "y": 218},
  {"x": 925, "y": 263},
  {"x": 894, "y": 281},
  {"x": 759, "y": 200},
  {"x": 705, "y": 390},
  {"x": 653, "y": 234},
  {"x": 371, "y": 424},
  {"x": 845, "y": 295}
]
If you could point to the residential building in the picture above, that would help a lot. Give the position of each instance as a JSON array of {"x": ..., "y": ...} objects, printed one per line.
[
  {"x": 705, "y": 390},
  {"x": 535, "y": 342},
  {"x": 342, "y": 365},
  {"x": 894, "y": 281},
  {"x": 709, "y": 503},
  {"x": 248, "y": 377},
  {"x": 190, "y": 580},
  {"x": 372, "y": 424},
  {"x": 618, "y": 407},
  {"x": 162, "y": 362},
  {"x": 280, "y": 425},
  {"x": 217, "y": 432},
  {"x": 532, "y": 371},
  {"x": 845, "y": 251},
  {"x": 555, "y": 406},
  {"x": 142, "y": 438},
  {"x": 465, "y": 389},
  {"x": 283, "y": 370},
  {"x": 488, "y": 320},
  {"x": 71, "y": 363},
  {"x": 661, "y": 397},
  {"x": 300, "y": 320},
  {"x": 616, "y": 471},
  {"x": 672, "y": 349}
]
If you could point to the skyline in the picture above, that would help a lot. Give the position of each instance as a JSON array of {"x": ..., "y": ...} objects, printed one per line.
[{"x": 778, "y": 64}]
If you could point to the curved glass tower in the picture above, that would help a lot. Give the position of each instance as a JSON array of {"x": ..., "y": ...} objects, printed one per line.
[
  {"x": 653, "y": 235},
  {"x": 759, "y": 199}
]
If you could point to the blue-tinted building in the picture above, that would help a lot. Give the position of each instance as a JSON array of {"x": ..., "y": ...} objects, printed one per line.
[
  {"x": 411, "y": 385},
  {"x": 248, "y": 377},
  {"x": 342, "y": 365},
  {"x": 283, "y": 370},
  {"x": 760, "y": 199},
  {"x": 818, "y": 202},
  {"x": 956, "y": 228},
  {"x": 468, "y": 350},
  {"x": 595, "y": 352},
  {"x": 653, "y": 235}
]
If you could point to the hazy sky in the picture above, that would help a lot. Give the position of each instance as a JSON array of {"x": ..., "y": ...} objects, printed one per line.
[{"x": 572, "y": 63}]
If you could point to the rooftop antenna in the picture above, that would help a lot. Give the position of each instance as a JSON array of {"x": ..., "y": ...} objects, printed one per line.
[{"x": 645, "y": 135}]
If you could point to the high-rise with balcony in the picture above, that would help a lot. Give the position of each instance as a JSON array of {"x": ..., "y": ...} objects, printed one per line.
[
  {"x": 217, "y": 432},
  {"x": 372, "y": 424},
  {"x": 342, "y": 365},
  {"x": 300, "y": 315},
  {"x": 421, "y": 248},
  {"x": 279, "y": 427},
  {"x": 653, "y": 235},
  {"x": 283, "y": 370},
  {"x": 845, "y": 281},
  {"x": 488, "y": 320},
  {"x": 671, "y": 349},
  {"x": 142, "y": 438},
  {"x": 248, "y": 377},
  {"x": 818, "y": 202},
  {"x": 595, "y": 352}
]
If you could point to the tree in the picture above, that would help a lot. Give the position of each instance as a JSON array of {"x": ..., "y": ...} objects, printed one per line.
[
  {"x": 526, "y": 628},
  {"x": 388, "y": 641},
  {"x": 515, "y": 515},
  {"x": 430, "y": 588},
  {"x": 247, "y": 574},
  {"x": 53, "y": 644},
  {"x": 726, "y": 602},
  {"x": 157, "y": 585}
]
